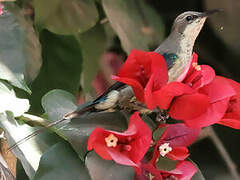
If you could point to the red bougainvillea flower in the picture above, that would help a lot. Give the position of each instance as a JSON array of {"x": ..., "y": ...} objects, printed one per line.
[
  {"x": 126, "y": 148},
  {"x": 184, "y": 171},
  {"x": 219, "y": 92},
  {"x": 207, "y": 102},
  {"x": 141, "y": 70},
  {"x": 231, "y": 117},
  {"x": 196, "y": 77},
  {"x": 193, "y": 78},
  {"x": 174, "y": 141}
]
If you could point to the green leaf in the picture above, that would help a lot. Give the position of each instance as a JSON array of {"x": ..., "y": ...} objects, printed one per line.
[
  {"x": 57, "y": 103},
  {"x": 157, "y": 134},
  {"x": 61, "y": 162},
  {"x": 93, "y": 44},
  {"x": 136, "y": 23},
  {"x": 30, "y": 151},
  {"x": 198, "y": 175},
  {"x": 65, "y": 17},
  {"x": 19, "y": 48},
  {"x": 20, "y": 172},
  {"x": 149, "y": 122},
  {"x": 61, "y": 67},
  {"x": 102, "y": 169},
  {"x": 78, "y": 130},
  {"x": 165, "y": 164},
  {"x": 32, "y": 48},
  {"x": 9, "y": 101}
]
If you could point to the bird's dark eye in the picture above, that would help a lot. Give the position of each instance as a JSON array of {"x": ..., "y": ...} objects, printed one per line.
[{"x": 189, "y": 18}]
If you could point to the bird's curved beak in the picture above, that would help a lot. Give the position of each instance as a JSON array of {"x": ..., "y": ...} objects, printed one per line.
[{"x": 210, "y": 12}]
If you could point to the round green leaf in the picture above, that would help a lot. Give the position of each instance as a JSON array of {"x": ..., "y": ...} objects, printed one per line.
[
  {"x": 165, "y": 164},
  {"x": 78, "y": 130},
  {"x": 57, "y": 103},
  {"x": 100, "y": 169},
  {"x": 198, "y": 175},
  {"x": 60, "y": 162},
  {"x": 65, "y": 17}
]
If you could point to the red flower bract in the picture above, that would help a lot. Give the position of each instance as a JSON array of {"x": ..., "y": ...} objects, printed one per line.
[
  {"x": 142, "y": 68},
  {"x": 219, "y": 92},
  {"x": 231, "y": 117},
  {"x": 174, "y": 141},
  {"x": 184, "y": 171},
  {"x": 126, "y": 148},
  {"x": 200, "y": 100}
]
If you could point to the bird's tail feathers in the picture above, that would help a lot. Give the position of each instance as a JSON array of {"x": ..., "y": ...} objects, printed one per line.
[{"x": 66, "y": 117}]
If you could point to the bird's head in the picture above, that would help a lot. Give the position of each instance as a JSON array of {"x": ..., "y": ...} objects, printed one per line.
[{"x": 190, "y": 23}]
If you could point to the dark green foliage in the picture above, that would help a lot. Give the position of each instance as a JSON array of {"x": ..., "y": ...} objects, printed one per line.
[
  {"x": 61, "y": 162},
  {"x": 62, "y": 63},
  {"x": 107, "y": 170}
]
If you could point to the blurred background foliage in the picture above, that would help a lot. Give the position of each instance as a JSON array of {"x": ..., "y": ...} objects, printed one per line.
[{"x": 75, "y": 45}]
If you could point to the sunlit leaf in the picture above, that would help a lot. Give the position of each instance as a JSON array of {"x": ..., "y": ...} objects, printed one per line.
[
  {"x": 30, "y": 151},
  {"x": 9, "y": 101}
]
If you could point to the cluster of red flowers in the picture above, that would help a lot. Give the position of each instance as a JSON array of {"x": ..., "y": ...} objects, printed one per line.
[{"x": 198, "y": 97}]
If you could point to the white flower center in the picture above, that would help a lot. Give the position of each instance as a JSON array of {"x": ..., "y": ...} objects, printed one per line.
[
  {"x": 111, "y": 141},
  {"x": 164, "y": 149},
  {"x": 196, "y": 66},
  {"x": 151, "y": 177}
]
